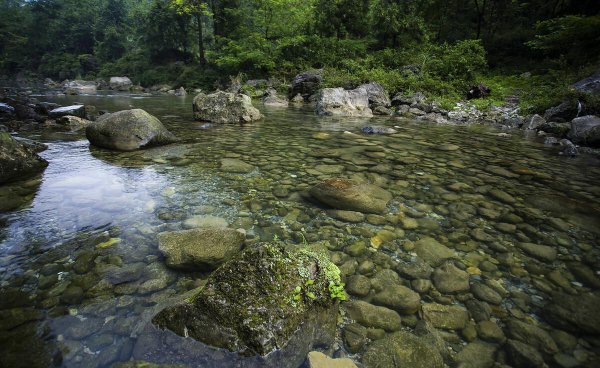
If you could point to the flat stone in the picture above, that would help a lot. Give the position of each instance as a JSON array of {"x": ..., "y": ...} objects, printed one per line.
[
  {"x": 447, "y": 317},
  {"x": 345, "y": 194},
  {"x": 574, "y": 313},
  {"x": 450, "y": 279},
  {"x": 532, "y": 335},
  {"x": 234, "y": 165},
  {"x": 319, "y": 360},
  {"x": 205, "y": 221},
  {"x": 370, "y": 315},
  {"x": 432, "y": 252},
  {"x": 348, "y": 216},
  {"x": 199, "y": 249},
  {"x": 476, "y": 355},
  {"x": 541, "y": 252},
  {"x": 402, "y": 349},
  {"x": 486, "y": 293},
  {"x": 521, "y": 355}
]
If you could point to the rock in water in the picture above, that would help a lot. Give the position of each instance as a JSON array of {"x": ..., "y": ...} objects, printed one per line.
[
  {"x": 341, "y": 102},
  {"x": 74, "y": 110},
  {"x": 402, "y": 349},
  {"x": 372, "y": 129},
  {"x": 128, "y": 130},
  {"x": 17, "y": 159},
  {"x": 345, "y": 194},
  {"x": 225, "y": 107},
  {"x": 317, "y": 359},
  {"x": 574, "y": 313},
  {"x": 256, "y": 303},
  {"x": 585, "y": 130},
  {"x": 199, "y": 249},
  {"x": 120, "y": 83}
]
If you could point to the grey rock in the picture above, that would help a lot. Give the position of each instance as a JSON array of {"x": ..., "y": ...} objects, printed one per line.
[
  {"x": 521, "y": 355},
  {"x": 590, "y": 84},
  {"x": 225, "y": 108},
  {"x": 541, "y": 252},
  {"x": 485, "y": 293},
  {"x": 306, "y": 84},
  {"x": 585, "y": 130},
  {"x": 18, "y": 160},
  {"x": 128, "y": 130},
  {"x": 341, "y": 102},
  {"x": 377, "y": 95},
  {"x": 234, "y": 165},
  {"x": 532, "y": 335},
  {"x": 120, "y": 83},
  {"x": 345, "y": 194},
  {"x": 535, "y": 122},
  {"x": 199, "y": 249},
  {"x": 476, "y": 355},
  {"x": 432, "y": 252},
  {"x": 73, "y": 110}
]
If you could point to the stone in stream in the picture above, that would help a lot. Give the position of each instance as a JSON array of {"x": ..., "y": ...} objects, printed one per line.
[
  {"x": 585, "y": 130},
  {"x": 341, "y": 102},
  {"x": 18, "y": 160},
  {"x": 78, "y": 87},
  {"x": 225, "y": 108},
  {"x": 448, "y": 317},
  {"x": 476, "y": 355},
  {"x": 485, "y": 293},
  {"x": 373, "y": 316},
  {"x": 402, "y": 349},
  {"x": 266, "y": 299},
  {"x": 199, "y": 249},
  {"x": 373, "y": 129},
  {"x": 450, "y": 279},
  {"x": 73, "y": 123},
  {"x": 390, "y": 293},
  {"x": 575, "y": 313},
  {"x": 345, "y": 194},
  {"x": 521, "y": 355},
  {"x": 317, "y": 359},
  {"x": 432, "y": 252},
  {"x": 306, "y": 84},
  {"x": 234, "y": 165},
  {"x": 541, "y": 252},
  {"x": 120, "y": 83},
  {"x": 128, "y": 130},
  {"x": 532, "y": 335}
]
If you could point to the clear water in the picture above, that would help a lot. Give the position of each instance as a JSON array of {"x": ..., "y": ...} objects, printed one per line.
[{"x": 64, "y": 233}]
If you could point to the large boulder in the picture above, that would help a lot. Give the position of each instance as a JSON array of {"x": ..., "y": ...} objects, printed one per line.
[
  {"x": 6, "y": 111},
  {"x": 378, "y": 97},
  {"x": 128, "y": 130},
  {"x": 79, "y": 87},
  {"x": 306, "y": 84},
  {"x": 345, "y": 194},
  {"x": 199, "y": 249},
  {"x": 590, "y": 84},
  {"x": 120, "y": 83},
  {"x": 341, "y": 102},
  {"x": 585, "y": 130},
  {"x": 402, "y": 349},
  {"x": 225, "y": 107},
  {"x": 18, "y": 160},
  {"x": 260, "y": 300}
]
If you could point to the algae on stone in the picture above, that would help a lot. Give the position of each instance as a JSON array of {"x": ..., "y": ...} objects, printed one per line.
[{"x": 256, "y": 302}]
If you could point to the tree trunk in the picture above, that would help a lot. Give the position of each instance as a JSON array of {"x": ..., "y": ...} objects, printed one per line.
[{"x": 202, "y": 58}]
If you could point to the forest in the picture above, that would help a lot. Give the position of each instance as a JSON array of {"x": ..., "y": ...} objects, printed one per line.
[{"x": 434, "y": 46}]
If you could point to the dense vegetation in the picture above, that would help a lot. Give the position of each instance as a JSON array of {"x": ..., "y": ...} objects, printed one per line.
[{"x": 439, "y": 47}]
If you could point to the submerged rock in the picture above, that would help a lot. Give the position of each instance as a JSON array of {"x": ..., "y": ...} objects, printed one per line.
[
  {"x": 345, "y": 194},
  {"x": 128, "y": 130},
  {"x": 255, "y": 303},
  {"x": 199, "y": 249},
  {"x": 402, "y": 349},
  {"x": 378, "y": 130},
  {"x": 586, "y": 130},
  {"x": 18, "y": 160},
  {"x": 341, "y": 102},
  {"x": 317, "y": 359},
  {"x": 574, "y": 313},
  {"x": 226, "y": 108}
]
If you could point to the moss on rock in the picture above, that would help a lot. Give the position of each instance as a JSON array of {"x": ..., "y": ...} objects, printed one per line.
[{"x": 254, "y": 303}]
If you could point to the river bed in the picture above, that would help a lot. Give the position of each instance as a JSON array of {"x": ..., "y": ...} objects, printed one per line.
[{"x": 476, "y": 190}]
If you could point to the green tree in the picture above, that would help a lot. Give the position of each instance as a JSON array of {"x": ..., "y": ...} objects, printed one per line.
[{"x": 196, "y": 9}]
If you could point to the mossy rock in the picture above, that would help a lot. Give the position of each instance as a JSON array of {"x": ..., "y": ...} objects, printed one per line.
[
  {"x": 254, "y": 303},
  {"x": 17, "y": 159}
]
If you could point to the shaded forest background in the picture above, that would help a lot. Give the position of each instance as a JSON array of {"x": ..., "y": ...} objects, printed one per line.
[{"x": 439, "y": 47}]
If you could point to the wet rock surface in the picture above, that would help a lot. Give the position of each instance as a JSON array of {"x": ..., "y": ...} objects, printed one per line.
[
  {"x": 225, "y": 108},
  {"x": 128, "y": 130},
  {"x": 18, "y": 160}
]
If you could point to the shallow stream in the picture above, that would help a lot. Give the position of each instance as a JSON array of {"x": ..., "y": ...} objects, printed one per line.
[{"x": 80, "y": 266}]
